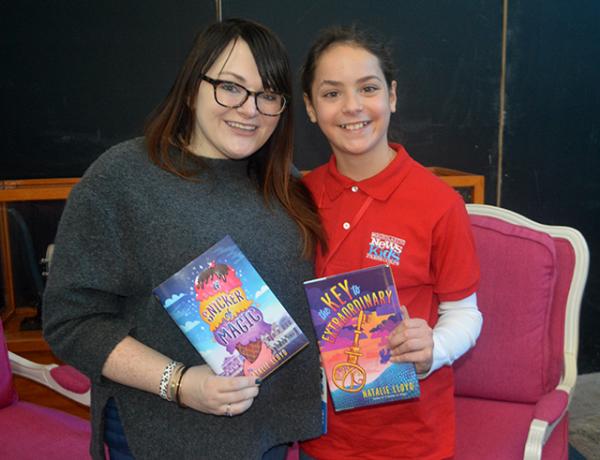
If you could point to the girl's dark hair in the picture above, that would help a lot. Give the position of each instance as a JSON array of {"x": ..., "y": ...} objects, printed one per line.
[
  {"x": 350, "y": 35},
  {"x": 170, "y": 126}
]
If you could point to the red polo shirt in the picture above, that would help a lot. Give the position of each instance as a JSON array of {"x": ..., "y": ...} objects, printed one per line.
[{"x": 410, "y": 219}]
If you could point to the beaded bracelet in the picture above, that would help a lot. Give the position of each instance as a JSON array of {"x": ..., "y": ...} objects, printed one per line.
[
  {"x": 177, "y": 398},
  {"x": 165, "y": 379}
]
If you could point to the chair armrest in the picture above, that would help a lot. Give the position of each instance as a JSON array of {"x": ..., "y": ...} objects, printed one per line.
[
  {"x": 552, "y": 406},
  {"x": 548, "y": 412},
  {"x": 65, "y": 380}
]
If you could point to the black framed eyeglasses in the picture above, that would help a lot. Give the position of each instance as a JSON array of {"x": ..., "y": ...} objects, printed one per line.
[{"x": 233, "y": 95}]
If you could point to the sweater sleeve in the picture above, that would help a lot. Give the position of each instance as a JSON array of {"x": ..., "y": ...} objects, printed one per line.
[{"x": 83, "y": 314}]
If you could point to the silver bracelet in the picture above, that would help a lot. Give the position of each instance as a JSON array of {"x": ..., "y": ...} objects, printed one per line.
[{"x": 165, "y": 379}]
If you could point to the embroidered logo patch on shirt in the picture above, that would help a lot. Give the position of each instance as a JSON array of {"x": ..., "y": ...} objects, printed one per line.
[{"x": 385, "y": 248}]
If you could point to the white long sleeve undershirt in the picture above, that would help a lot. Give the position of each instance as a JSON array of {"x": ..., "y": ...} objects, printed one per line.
[{"x": 456, "y": 331}]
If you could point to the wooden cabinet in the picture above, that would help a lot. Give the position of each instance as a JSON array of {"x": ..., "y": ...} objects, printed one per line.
[
  {"x": 470, "y": 186},
  {"x": 14, "y": 191}
]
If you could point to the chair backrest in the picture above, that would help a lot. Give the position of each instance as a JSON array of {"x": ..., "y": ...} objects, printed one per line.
[
  {"x": 532, "y": 279},
  {"x": 8, "y": 395}
]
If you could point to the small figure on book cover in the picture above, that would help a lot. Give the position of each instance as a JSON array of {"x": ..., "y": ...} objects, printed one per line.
[{"x": 378, "y": 205}]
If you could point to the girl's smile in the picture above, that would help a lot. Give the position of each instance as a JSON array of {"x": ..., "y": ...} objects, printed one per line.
[{"x": 355, "y": 126}]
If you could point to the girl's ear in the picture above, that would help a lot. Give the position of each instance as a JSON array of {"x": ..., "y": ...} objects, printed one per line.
[
  {"x": 393, "y": 97},
  {"x": 309, "y": 108}
]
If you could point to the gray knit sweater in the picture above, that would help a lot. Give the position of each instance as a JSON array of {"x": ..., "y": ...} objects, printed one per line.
[{"x": 127, "y": 226}]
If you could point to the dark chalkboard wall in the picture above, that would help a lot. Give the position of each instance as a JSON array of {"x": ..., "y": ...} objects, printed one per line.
[
  {"x": 552, "y": 150},
  {"x": 448, "y": 73},
  {"x": 80, "y": 76}
]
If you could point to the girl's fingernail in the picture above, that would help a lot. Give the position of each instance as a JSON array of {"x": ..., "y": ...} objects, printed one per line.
[{"x": 258, "y": 381}]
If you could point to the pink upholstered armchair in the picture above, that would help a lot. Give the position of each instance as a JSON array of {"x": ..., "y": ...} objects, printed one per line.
[
  {"x": 513, "y": 389},
  {"x": 32, "y": 432}
]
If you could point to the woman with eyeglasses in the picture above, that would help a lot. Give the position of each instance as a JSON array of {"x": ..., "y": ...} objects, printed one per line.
[{"x": 215, "y": 161}]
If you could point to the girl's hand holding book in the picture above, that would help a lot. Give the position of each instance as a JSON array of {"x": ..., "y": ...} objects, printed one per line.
[{"x": 412, "y": 341}]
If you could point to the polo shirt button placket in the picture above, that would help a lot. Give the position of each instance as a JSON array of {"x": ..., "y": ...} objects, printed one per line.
[{"x": 346, "y": 225}]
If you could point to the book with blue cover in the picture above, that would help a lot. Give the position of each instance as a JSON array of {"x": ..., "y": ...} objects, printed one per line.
[
  {"x": 229, "y": 314},
  {"x": 353, "y": 313}
]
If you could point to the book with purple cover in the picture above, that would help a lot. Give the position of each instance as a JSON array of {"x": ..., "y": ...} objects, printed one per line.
[
  {"x": 353, "y": 313},
  {"x": 229, "y": 314}
]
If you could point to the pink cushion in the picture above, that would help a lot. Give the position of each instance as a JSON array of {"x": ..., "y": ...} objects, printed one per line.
[
  {"x": 31, "y": 432},
  {"x": 511, "y": 360},
  {"x": 498, "y": 430},
  {"x": 8, "y": 395},
  {"x": 70, "y": 378}
]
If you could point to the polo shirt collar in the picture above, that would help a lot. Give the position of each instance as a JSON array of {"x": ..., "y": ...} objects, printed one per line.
[{"x": 380, "y": 186}]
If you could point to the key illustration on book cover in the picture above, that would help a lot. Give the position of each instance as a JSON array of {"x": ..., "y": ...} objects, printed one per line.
[
  {"x": 237, "y": 332},
  {"x": 353, "y": 314},
  {"x": 349, "y": 376}
]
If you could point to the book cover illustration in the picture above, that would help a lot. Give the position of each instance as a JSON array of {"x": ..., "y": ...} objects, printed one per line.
[
  {"x": 353, "y": 313},
  {"x": 229, "y": 314}
]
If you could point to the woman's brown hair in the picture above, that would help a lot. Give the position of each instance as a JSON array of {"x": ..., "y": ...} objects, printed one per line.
[{"x": 170, "y": 126}]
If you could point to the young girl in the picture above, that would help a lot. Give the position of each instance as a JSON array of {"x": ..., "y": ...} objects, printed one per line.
[
  {"x": 380, "y": 206},
  {"x": 215, "y": 161}
]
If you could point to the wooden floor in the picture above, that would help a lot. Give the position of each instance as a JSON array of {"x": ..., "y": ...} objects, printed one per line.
[{"x": 30, "y": 345}]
